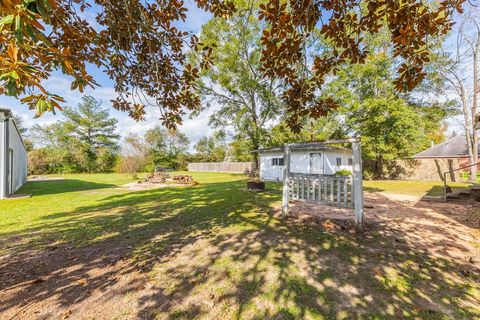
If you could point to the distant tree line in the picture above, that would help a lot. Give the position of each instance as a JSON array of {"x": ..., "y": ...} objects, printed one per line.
[
  {"x": 392, "y": 127},
  {"x": 86, "y": 141},
  {"x": 216, "y": 148},
  {"x": 159, "y": 148}
]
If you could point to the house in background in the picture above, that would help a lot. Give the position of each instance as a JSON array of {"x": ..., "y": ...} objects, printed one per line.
[
  {"x": 453, "y": 148},
  {"x": 326, "y": 160},
  {"x": 433, "y": 162},
  {"x": 13, "y": 156}
]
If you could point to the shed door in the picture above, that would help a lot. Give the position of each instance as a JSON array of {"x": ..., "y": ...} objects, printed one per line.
[{"x": 316, "y": 163}]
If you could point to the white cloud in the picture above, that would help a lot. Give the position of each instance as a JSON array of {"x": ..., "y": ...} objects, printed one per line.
[
  {"x": 194, "y": 128},
  {"x": 61, "y": 86}
]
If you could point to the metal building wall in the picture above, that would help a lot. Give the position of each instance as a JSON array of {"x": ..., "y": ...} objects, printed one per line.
[
  {"x": 19, "y": 157},
  {"x": 3, "y": 167},
  {"x": 11, "y": 148}
]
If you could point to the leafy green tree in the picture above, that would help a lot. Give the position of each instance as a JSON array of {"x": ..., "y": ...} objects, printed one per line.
[
  {"x": 246, "y": 100},
  {"x": 211, "y": 148},
  {"x": 240, "y": 150},
  {"x": 85, "y": 142},
  {"x": 167, "y": 148},
  {"x": 312, "y": 130},
  {"x": 54, "y": 146},
  {"x": 391, "y": 125},
  {"x": 95, "y": 130}
]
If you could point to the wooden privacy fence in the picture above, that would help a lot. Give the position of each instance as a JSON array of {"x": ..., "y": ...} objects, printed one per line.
[
  {"x": 324, "y": 189},
  {"x": 232, "y": 167}
]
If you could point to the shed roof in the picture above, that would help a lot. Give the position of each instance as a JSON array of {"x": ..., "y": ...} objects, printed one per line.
[
  {"x": 331, "y": 145},
  {"x": 301, "y": 148},
  {"x": 9, "y": 115},
  {"x": 8, "y": 112},
  {"x": 455, "y": 147}
]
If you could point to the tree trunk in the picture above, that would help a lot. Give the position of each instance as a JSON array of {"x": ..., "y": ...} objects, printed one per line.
[
  {"x": 256, "y": 159},
  {"x": 255, "y": 133},
  {"x": 473, "y": 169},
  {"x": 468, "y": 130},
  {"x": 255, "y": 162},
  {"x": 457, "y": 78},
  {"x": 379, "y": 167}
]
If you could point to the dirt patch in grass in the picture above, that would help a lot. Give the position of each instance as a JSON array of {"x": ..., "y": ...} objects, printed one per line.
[
  {"x": 145, "y": 185},
  {"x": 446, "y": 230},
  {"x": 64, "y": 282}
]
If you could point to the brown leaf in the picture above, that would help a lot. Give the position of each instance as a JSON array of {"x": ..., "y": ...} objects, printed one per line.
[{"x": 377, "y": 271}]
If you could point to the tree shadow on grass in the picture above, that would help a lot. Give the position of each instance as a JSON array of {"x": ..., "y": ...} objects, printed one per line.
[
  {"x": 41, "y": 188},
  {"x": 466, "y": 213},
  {"x": 438, "y": 190},
  {"x": 373, "y": 189},
  {"x": 297, "y": 271},
  {"x": 214, "y": 251}
]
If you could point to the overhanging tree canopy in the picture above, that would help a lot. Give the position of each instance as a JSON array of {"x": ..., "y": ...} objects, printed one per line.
[{"x": 141, "y": 48}]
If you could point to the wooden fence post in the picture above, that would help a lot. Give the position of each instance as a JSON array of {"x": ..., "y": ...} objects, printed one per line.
[
  {"x": 357, "y": 184},
  {"x": 286, "y": 180}
]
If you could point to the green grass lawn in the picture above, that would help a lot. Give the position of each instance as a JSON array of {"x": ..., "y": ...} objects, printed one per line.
[
  {"x": 416, "y": 188},
  {"x": 66, "y": 197},
  {"x": 213, "y": 251}
]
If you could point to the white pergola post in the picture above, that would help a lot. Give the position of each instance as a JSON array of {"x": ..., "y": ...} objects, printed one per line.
[
  {"x": 286, "y": 182},
  {"x": 357, "y": 184}
]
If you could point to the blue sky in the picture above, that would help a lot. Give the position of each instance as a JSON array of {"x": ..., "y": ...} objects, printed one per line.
[{"x": 60, "y": 84}]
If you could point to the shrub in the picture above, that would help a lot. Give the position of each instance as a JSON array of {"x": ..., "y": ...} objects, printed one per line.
[
  {"x": 130, "y": 164},
  {"x": 343, "y": 172},
  {"x": 368, "y": 175}
]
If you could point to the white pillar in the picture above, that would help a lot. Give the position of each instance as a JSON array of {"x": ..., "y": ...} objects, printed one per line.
[
  {"x": 286, "y": 178},
  {"x": 358, "y": 184}
]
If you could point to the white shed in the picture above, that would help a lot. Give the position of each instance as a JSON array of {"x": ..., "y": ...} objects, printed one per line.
[
  {"x": 326, "y": 161},
  {"x": 13, "y": 156}
]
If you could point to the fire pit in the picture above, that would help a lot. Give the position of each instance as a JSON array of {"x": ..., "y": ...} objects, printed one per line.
[
  {"x": 158, "y": 177},
  {"x": 256, "y": 185},
  {"x": 165, "y": 177},
  {"x": 184, "y": 179},
  {"x": 254, "y": 182}
]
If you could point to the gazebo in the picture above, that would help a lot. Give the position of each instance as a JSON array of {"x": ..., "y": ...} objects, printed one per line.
[{"x": 337, "y": 190}]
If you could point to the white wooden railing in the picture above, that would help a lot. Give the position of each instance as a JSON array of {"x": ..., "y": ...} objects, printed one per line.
[
  {"x": 324, "y": 189},
  {"x": 339, "y": 197}
]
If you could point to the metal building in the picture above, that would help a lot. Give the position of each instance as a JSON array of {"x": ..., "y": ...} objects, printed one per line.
[{"x": 13, "y": 155}]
